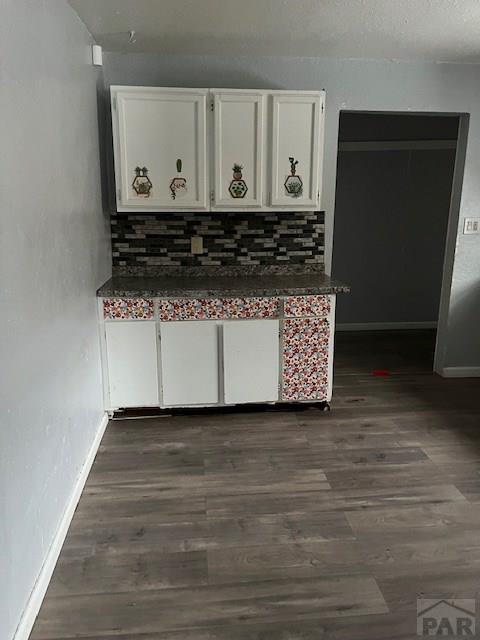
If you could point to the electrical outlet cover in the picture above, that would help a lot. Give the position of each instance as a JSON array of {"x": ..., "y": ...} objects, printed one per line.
[
  {"x": 471, "y": 225},
  {"x": 196, "y": 245}
]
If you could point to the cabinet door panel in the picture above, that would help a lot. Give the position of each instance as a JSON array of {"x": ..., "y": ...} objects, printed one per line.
[
  {"x": 296, "y": 137},
  {"x": 308, "y": 349},
  {"x": 251, "y": 361},
  {"x": 189, "y": 357},
  {"x": 132, "y": 363},
  {"x": 156, "y": 128},
  {"x": 238, "y": 149}
]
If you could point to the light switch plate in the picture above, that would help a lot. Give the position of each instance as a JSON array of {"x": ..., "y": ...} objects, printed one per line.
[
  {"x": 471, "y": 225},
  {"x": 196, "y": 245}
]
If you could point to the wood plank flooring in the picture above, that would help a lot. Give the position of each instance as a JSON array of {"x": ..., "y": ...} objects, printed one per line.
[{"x": 281, "y": 524}]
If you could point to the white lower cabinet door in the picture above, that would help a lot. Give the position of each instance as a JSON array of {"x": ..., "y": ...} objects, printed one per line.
[
  {"x": 189, "y": 357},
  {"x": 132, "y": 363},
  {"x": 251, "y": 361}
]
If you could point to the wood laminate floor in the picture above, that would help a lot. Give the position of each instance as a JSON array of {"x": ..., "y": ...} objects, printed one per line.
[{"x": 282, "y": 525}]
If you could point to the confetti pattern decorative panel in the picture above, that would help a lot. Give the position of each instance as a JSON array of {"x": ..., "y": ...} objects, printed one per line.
[
  {"x": 305, "y": 359},
  {"x": 307, "y": 306},
  {"x": 218, "y": 309},
  {"x": 128, "y": 309}
]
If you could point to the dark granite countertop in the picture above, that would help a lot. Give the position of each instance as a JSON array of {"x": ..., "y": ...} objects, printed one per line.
[{"x": 213, "y": 286}]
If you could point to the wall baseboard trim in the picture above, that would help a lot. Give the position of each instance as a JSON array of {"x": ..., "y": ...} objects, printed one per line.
[
  {"x": 460, "y": 372},
  {"x": 39, "y": 590},
  {"x": 384, "y": 326}
]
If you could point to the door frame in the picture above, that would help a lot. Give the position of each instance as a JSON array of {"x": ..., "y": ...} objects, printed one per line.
[
  {"x": 450, "y": 245},
  {"x": 438, "y": 365}
]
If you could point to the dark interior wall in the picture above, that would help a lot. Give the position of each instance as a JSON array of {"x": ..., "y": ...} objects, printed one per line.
[
  {"x": 360, "y": 125},
  {"x": 391, "y": 216}
]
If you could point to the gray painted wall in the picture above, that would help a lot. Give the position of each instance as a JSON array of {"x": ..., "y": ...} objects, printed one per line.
[
  {"x": 356, "y": 85},
  {"x": 391, "y": 215},
  {"x": 54, "y": 252}
]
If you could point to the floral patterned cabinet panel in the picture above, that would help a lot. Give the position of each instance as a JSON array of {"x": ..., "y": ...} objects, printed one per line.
[
  {"x": 307, "y": 306},
  {"x": 218, "y": 308},
  {"x": 306, "y": 344},
  {"x": 128, "y": 309}
]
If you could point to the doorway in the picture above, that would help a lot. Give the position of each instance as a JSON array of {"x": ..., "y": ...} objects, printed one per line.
[{"x": 395, "y": 174}]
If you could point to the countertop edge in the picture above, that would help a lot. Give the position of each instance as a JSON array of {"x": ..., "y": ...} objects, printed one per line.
[
  {"x": 262, "y": 286},
  {"x": 105, "y": 292}
]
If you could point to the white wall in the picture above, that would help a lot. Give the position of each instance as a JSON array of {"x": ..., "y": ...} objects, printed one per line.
[
  {"x": 54, "y": 252},
  {"x": 356, "y": 85}
]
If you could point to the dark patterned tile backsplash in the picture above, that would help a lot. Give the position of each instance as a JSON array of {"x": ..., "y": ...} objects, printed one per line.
[{"x": 163, "y": 239}]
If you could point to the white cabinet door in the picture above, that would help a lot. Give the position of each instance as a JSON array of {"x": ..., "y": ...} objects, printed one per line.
[
  {"x": 189, "y": 363},
  {"x": 251, "y": 361},
  {"x": 238, "y": 148},
  {"x": 297, "y": 131},
  {"x": 132, "y": 363},
  {"x": 160, "y": 148}
]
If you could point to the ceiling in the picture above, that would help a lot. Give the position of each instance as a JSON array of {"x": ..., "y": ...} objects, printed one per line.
[{"x": 427, "y": 30}]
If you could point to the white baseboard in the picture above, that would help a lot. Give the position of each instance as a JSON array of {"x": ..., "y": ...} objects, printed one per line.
[
  {"x": 460, "y": 372},
  {"x": 40, "y": 588},
  {"x": 384, "y": 326}
]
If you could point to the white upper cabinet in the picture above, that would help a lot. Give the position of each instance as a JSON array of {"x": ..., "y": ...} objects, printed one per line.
[
  {"x": 160, "y": 145},
  {"x": 238, "y": 149},
  {"x": 297, "y": 121},
  {"x": 217, "y": 149}
]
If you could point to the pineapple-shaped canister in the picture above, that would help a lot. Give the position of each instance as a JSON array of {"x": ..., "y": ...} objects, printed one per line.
[
  {"x": 293, "y": 182},
  {"x": 178, "y": 185},
  {"x": 238, "y": 187},
  {"x": 142, "y": 184}
]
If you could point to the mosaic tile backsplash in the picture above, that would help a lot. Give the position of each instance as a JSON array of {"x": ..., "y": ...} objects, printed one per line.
[{"x": 229, "y": 239}]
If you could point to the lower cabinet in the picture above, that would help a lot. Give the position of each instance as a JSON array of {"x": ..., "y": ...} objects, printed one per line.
[
  {"x": 190, "y": 363},
  {"x": 188, "y": 352},
  {"x": 251, "y": 361},
  {"x": 132, "y": 361}
]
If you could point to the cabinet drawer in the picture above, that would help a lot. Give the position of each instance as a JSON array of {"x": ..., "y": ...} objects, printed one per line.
[
  {"x": 307, "y": 306},
  {"x": 218, "y": 308},
  {"x": 128, "y": 309}
]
